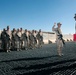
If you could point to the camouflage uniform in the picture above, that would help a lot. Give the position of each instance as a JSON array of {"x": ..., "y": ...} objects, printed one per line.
[
  {"x": 35, "y": 39},
  {"x": 8, "y": 38},
  {"x": 18, "y": 40},
  {"x": 58, "y": 40},
  {"x": 4, "y": 40},
  {"x": 14, "y": 39},
  {"x": 25, "y": 39},
  {"x": 40, "y": 38},
  {"x": 31, "y": 40}
]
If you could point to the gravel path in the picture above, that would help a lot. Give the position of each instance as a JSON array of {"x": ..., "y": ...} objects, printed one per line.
[{"x": 43, "y": 61}]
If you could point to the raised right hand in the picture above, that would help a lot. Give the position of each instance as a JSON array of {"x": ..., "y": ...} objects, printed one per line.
[{"x": 54, "y": 23}]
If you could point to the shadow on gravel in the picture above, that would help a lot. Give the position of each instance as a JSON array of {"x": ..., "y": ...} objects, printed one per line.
[
  {"x": 47, "y": 68},
  {"x": 49, "y": 71},
  {"x": 1, "y": 50},
  {"x": 29, "y": 59}
]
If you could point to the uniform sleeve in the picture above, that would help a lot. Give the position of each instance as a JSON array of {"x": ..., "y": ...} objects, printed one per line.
[{"x": 54, "y": 29}]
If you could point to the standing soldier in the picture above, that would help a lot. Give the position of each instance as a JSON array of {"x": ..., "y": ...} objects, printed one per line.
[
  {"x": 25, "y": 39},
  {"x": 18, "y": 40},
  {"x": 14, "y": 39},
  {"x": 58, "y": 37},
  {"x": 21, "y": 30},
  {"x": 31, "y": 40},
  {"x": 8, "y": 37},
  {"x": 35, "y": 38},
  {"x": 40, "y": 38},
  {"x": 4, "y": 40}
]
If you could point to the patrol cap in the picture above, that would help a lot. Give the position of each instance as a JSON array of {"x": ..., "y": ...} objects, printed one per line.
[
  {"x": 59, "y": 23},
  {"x": 7, "y": 27}
]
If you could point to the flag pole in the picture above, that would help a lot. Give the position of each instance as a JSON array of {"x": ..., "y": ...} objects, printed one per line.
[{"x": 75, "y": 23}]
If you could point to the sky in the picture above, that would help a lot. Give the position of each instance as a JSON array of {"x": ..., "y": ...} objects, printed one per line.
[{"x": 38, "y": 14}]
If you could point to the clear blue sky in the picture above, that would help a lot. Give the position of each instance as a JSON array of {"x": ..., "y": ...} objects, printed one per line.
[{"x": 38, "y": 14}]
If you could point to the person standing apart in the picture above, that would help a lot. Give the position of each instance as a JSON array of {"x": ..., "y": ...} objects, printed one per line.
[{"x": 58, "y": 37}]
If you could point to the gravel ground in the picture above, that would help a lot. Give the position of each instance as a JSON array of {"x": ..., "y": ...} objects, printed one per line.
[{"x": 43, "y": 61}]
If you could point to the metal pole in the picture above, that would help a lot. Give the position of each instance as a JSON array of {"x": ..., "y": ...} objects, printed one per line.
[{"x": 75, "y": 23}]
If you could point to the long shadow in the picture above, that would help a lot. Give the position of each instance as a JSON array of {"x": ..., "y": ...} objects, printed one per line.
[
  {"x": 39, "y": 66},
  {"x": 48, "y": 70},
  {"x": 33, "y": 58}
]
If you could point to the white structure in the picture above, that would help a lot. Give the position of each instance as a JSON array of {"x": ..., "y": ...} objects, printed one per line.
[{"x": 51, "y": 37}]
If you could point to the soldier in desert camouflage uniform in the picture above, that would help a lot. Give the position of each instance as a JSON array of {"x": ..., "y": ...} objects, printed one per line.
[{"x": 58, "y": 39}]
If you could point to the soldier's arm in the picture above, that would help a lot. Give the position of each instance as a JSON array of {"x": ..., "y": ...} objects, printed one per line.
[{"x": 53, "y": 28}]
